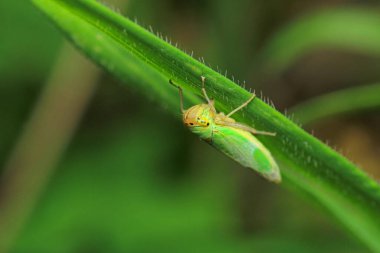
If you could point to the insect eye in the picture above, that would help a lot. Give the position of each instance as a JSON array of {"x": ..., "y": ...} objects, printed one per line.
[
  {"x": 191, "y": 124},
  {"x": 208, "y": 124}
]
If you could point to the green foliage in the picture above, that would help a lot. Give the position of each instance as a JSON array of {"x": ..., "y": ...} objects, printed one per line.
[
  {"x": 15, "y": 51},
  {"x": 350, "y": 29},
  {"x": 138, "y": 57},
  {"x": 346, "y": 101},
  {"x": 16, "y": 90}
]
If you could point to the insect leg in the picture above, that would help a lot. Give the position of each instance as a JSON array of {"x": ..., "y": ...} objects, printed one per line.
[
  {"x": 204, "y": 90},
  {"x": 180, "y": 95},
  {"x": 209, "y": 101},
  {"x": 245, "y": 128},
  {"x": 242, "y": 106}
]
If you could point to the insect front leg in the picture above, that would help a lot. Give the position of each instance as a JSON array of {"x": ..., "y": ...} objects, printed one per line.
[
  {"x": 180, "y": 95},
  {"x": 209, "y": 101}
]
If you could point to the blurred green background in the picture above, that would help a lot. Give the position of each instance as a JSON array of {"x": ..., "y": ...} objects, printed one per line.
[{"x": 117, "y": 173}]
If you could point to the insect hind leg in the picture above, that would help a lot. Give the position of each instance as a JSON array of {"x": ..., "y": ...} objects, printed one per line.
[{"x": 246, "y": 128}]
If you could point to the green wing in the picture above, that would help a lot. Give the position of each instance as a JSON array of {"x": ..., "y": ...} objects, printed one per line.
[{"x": 244, "y": 148}]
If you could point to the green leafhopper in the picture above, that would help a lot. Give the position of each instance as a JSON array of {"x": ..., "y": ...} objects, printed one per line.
[{"x": 234, "y": 139}]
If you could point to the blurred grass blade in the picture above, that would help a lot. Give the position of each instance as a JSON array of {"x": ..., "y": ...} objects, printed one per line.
[
  {"x": 44, "y": 139},
  {"x": 132, "y": 53},
  {"x": 345, "y": 101},
  {"x": 352, "y": 29}
]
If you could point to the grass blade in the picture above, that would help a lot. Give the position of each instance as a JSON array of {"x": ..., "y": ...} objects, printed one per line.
[
  {"x": 345, "y": 101},
  {"x": 351, "y": 29}
]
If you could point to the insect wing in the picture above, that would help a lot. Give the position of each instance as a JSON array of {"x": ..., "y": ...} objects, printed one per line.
[{"x": 246, "y": 149}]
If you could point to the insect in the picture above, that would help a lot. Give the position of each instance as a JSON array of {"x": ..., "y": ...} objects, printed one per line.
[{"x": 234, "y": 139}]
